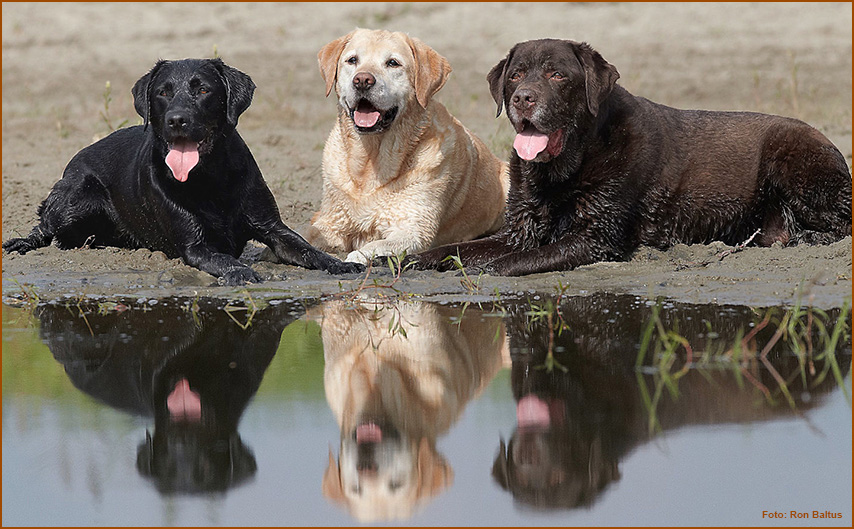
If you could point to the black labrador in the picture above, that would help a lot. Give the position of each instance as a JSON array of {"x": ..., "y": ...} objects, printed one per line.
[
  {"x": 183, "y": 183},
  {"x": 596, "y": 172}
]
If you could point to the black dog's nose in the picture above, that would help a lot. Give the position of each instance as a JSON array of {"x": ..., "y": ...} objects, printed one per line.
[
  {"x": 524, "y": 98},
  {"x": 363, "y": 80},
  {"x": 176, "y": 121}
]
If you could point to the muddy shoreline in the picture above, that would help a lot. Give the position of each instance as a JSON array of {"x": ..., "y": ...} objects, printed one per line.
[{"x": 786, "y": 59}]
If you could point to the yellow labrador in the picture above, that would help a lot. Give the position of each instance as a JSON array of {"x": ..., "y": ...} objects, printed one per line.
[
  {"x": 400, "y": 174},
  {"x": 393, "y": 392}
]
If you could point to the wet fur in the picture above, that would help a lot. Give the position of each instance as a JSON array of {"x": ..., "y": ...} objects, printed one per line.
[
  {"x": 120, "y": 192},
  {"x": 633, "y": 172}
]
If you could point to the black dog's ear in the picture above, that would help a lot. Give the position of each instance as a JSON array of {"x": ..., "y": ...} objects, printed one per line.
[
  {"x": 142, "y": 92},
  {"x": 238, "y": 88},
  {"x": 496, "y": 81},
  {"x": 599, "y": 75}
]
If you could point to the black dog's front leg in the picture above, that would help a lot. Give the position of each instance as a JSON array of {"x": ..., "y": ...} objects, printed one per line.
[
  {"x": 229, "y": 269},
  {"x": 38, "y": 238},
  {"x": 292, "y": 249}
]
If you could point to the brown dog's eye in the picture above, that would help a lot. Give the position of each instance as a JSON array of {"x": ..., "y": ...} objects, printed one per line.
[
  {"x": 516, "y": 76},
  {"x": 352, "y": 60},
  {"x": 557, "y": 76},
  {"x": 392, "y": 63}
]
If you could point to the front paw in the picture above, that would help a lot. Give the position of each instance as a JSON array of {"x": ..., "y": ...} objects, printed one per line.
[
  {"x": 239, "y": 276},
  {"x": 357, "y": 256},
  {"x": 20, "y": 245},
  {"x": 337, "y": 267}
]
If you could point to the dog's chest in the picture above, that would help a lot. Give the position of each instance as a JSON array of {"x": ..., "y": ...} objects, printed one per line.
[{"x": 541, "y": 214}]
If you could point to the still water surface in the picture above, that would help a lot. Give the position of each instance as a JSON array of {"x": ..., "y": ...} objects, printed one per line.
[{"x": 176, "y": 412}]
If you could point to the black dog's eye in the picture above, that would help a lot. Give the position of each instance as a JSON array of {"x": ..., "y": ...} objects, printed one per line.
[
  {"x": 557, "y": 76},
  {"x": 353, "y": 60},
  {"x": 164, "y": 92},
  {"x": 392, "y": 63},
  {"x": 203, "y": 90}
]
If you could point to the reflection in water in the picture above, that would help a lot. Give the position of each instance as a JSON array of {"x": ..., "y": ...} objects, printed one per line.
[
  {"x": 397, "y": 377},
  {"x": 580, "y": 410},
  {"x": 195, "y": 372}
]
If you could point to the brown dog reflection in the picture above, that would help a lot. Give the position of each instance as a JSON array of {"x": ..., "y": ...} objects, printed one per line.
[
  {"x": 575, "y": 426},
  {"x": 397, "y": 377},
  {"x": 194, "y": 373}
]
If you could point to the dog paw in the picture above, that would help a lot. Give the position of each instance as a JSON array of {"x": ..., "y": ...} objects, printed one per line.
[
  {"x": 20, "y": 245},
  {"x": 358, "y": 257},
  {"x": 239, "y": 276},
  {"x": 345, "y": 267}
]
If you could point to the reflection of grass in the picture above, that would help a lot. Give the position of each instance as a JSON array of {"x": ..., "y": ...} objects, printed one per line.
[
  {"x": 397, "y": 264},
  {"x": 800, "y": 331},
  {"x": 550, "y": 312}
]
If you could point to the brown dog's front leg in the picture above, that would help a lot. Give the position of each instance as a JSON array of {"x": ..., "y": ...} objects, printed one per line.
[
  {"x": 471, "y": 253},
  {"x": 565, "y": 254}
]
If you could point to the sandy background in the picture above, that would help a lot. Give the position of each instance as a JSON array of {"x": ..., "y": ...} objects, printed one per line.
[{"x": 789, "y": 59}]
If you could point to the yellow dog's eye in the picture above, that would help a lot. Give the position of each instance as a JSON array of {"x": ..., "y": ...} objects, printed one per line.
[
  {"x": 392, "y": 63},
  {"x": 352, "y": 60}
]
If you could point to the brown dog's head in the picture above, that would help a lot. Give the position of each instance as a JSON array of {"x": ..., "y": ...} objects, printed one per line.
[
  {"x": 378, "y": 74},
  {"x": 550, "y": 88}
]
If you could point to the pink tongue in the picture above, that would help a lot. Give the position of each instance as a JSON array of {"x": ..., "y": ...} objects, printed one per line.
[
  {"x": 532, "y": 411},
  {"x": 183, "y": 156},
  {"x": 366, "y": 119},
  {"x": 368, "y": 433},
  {"x": 529, "y": 143},
  {"x": 184, "y": 403}
]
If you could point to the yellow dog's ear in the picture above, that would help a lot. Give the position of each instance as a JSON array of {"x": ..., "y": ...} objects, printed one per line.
[
  {"x": 332, "y": 487},
  {"x": 328, "y": 59},
  {"x": 431, "y": 70}
]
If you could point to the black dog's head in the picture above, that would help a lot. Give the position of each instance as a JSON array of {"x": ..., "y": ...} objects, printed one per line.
[
  {"x": 190, "y": 103},
  {"x": 551, "y": 88}
]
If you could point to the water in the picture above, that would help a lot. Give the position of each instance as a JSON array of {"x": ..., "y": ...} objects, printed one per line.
[{"x": 178, "y": 412}]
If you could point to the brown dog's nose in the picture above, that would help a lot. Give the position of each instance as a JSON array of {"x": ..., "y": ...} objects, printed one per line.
[
  {"x": 363, "y": 80},
  {"x": 524, "y": 98}
]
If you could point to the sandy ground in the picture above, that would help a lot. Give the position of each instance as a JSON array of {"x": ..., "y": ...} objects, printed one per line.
[{"x": 789, "y": 59}]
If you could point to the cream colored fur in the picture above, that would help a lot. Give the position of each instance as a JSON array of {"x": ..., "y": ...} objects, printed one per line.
[{"x": 425, "y": 181}]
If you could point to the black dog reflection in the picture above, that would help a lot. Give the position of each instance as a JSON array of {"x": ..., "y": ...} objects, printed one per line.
[
  {"x": 577, "y": 420},
  {"x": 194, "y": 372}
]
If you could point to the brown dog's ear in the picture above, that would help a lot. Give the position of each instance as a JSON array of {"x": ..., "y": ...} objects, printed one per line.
[
  {"x": 599, "y": 75},
  {"x": 142, "y": 92},
  {"x": 499, "y": 467},
  {"x": 431, "y": 70},
  {"x": 328, "y": 57},
  {"x": 496, "y": 81},
  {"x": 239, "y": 89}
]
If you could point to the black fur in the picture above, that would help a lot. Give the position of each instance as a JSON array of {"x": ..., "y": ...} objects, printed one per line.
[
  {"x": 120, "y": 192},
  {"x": 629, "y": 172}
]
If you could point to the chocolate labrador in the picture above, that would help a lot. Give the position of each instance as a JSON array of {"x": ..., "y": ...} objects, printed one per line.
[
  {"x": 183, "y": 183},
  {"x": 597, "y": 172}
]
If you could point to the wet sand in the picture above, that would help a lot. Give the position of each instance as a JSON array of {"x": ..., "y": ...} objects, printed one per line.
[{"x": 788, "y": 59}]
